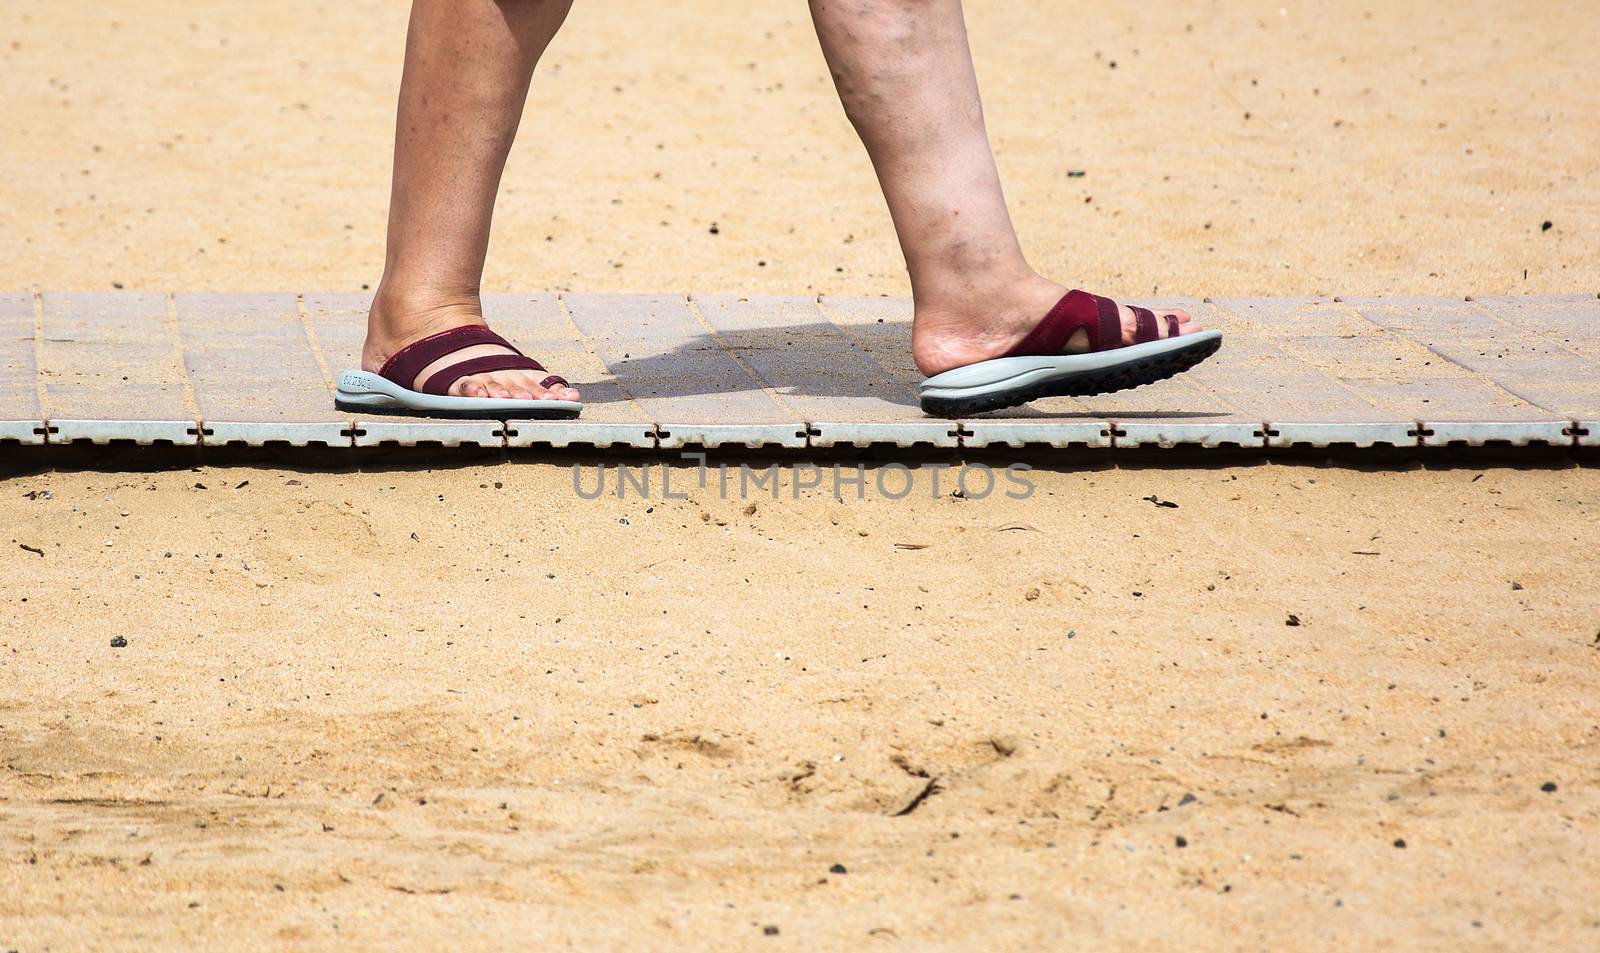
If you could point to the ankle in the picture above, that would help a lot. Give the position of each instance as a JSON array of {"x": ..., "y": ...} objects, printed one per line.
[
  {"x": 962, "y": 291},
  {"x": 399, "y": 316},
  {"x": 980, "y": 321}
]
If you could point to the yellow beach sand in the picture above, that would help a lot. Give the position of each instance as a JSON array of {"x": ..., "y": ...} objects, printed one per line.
[{"x": 1308, "y": 707}]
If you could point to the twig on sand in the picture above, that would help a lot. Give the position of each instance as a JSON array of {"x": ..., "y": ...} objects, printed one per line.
[{"x": 928, "y": 790}]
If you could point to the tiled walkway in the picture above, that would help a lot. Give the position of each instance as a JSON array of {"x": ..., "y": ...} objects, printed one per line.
[{"x": 665, "y": 371}]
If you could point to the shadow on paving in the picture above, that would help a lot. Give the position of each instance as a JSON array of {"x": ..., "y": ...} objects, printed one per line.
[{"x": 806, "y": 360}]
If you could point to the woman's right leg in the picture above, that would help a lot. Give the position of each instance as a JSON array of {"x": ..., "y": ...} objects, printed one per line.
[{"x": 467, "y": 69}]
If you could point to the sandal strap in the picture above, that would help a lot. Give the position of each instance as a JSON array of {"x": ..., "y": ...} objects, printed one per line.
[
  {"x": 552, "y": 380},
  {"x": 409, "y": 361},
  {"x": 1098, "y": 317},
  {"x": 440, "y": 383},
  {"x": 1146, "y": 328},
  {"x": 1172, "y": 326}
]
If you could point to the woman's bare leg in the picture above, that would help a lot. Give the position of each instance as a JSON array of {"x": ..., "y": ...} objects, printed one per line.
[
  {"x": 467, "y": 70},
  {"x": 904, "y": 73}
]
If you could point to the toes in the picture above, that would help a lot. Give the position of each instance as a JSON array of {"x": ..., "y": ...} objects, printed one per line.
[
  {"x": 1186, "y": 323},
  {"x": 513, "y": 386}
]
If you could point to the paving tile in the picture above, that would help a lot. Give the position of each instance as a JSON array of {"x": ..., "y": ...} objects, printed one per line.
[
  {"x": 1570, "y": 320},
  {"x": 882, "y": 326},
  {"x": 662, "y": 372},
  {"x": 816, "y": 368},
  {"x": 338, "y": 325},
  {"x": 1255, "y": 374},
  {"x": 1398, "y": 376},
  {"x": 540, "y": 328},
  {"x": 21, "y": 417},
  {"x": 1550, "y": 379},
  {"x": 671, "y": 364},
  {"x": 256, "y": 378},
  {"x": 111, "y": 369}
]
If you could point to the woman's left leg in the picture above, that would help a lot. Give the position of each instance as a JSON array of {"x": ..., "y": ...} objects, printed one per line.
[{"x": 904, "y": 74}]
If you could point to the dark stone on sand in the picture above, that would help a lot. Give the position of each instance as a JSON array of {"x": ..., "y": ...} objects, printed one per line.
[
  {"x": 118, "y": 642},
  {"x": 1547, "y": 226},
  {"x": 837, "y": 869},
  {"x": 1292, "y": 620},
  {"x": 769, "y": 930},
  {"x": 1187, "y": 799},
  {"x": 1549, "y": 787},
  {"x": 1400, "y": 842},
  {"x": 1181, "y": 841}
]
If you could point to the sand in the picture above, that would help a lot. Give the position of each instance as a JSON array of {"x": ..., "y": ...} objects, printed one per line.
[{"x": 453, "y": 702}]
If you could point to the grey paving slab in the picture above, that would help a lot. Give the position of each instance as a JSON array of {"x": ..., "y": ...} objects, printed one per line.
[
  {"x": 1254, "y": 372},
  {"x": 665, "y": 372},
  {"x": 539, "y": 326},
  {"x": 882, "y": 326},
  {"x": 1399, "y": 377},
  {"x": 675, "y": 368},
  {"x": 111, "y": 369},
  {"x": 1532, "y": 376},
  {"x": 21, "y": 417},
  {"x": 256, "y": 378},
  {"x": 1572, "y": 320},
  {"x": 819, "y": 370}
]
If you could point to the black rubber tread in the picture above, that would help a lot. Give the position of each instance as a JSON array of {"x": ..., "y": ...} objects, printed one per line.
[
  {"x": 365, "y": 410},
  {"x": 1104, "y": 381}
]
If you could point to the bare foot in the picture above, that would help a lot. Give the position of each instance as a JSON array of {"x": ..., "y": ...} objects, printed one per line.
[
  {"x": 392, "y": 324},
  {"x": 981, "y": 323}
]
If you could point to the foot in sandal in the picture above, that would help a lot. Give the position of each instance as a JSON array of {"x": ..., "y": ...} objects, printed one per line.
[
  {"x": 445, "y": 362},
  {"x": 1032, "y": 338}
]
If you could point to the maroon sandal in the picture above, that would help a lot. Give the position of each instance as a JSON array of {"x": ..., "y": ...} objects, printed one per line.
[
  {"x": 390, "y": 390},
  {"x": 1038, "y": 366}
]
